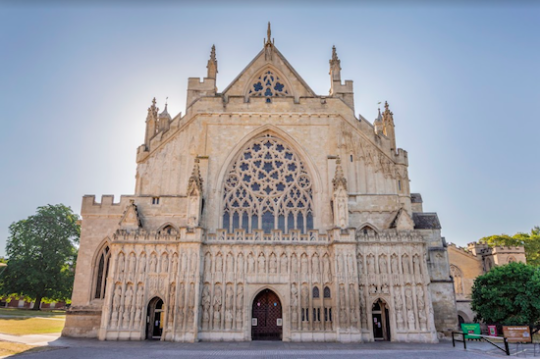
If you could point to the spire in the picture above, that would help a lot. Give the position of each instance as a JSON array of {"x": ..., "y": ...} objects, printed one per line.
[
  {"x": 335, "y": 67},
  {"x": 388, "y": 125},
  {"x": 339, "y": 178},
  {"x": 269, "y": 39},
  {"x": 268, "y": 44},
  {"x": 153, "y": 110},
  {"x": 212, "y": 64},
  {"x": 378, "y": 123}
]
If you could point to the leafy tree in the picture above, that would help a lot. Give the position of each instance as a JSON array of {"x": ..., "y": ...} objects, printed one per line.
[
  {"x": 531, "y": 242},
  {"x": 508, "y": 294},
  {"x": 41, "y": 255}
]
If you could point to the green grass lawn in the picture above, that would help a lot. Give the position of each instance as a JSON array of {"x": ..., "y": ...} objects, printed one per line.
[
  {"x": 22, "y": 326},
  {"x": 31, "y": 313},
  {"x": 21, "y": 322}
]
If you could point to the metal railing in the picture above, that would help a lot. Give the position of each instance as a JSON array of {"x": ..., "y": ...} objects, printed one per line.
[{"x": 486, "y": 338}]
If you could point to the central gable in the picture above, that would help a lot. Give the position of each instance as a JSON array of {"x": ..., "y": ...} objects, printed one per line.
[{"x": 269, "y": 74}]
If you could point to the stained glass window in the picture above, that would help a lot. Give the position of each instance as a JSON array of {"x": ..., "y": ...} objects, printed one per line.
[{"x": 267, "y": 187}]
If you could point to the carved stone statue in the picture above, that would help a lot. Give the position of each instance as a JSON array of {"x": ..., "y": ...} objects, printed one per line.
[
  {"x": 382, "y": 264},
  {"x": 305, "y": 296},
  {"x": 422, "y": 320},
  {"x": 240, "y": 297},
  {"x": 153, "y": 263},
  {"x": 230, "y": 297},
  {"x": 370, "y": 264},
  {"x": 284, "y": 264},
  {"x": 219, "y": 263},
  {"x": 327, "y": 270},
  {"x": 164, "y": 263},
  {"x": 273, "y": 264},
  {"x": 251, "y": 264},
  {"x": 410, "y": 315},
  {"x": 294, "y": 295},
  {"x": 315, "y": 268},
  {"x": 217, "y": 306},
  {"x": 395, "y": 264},
  {"x": 360, "y": 263},
  {"x": 261, "y": 264},
  {"x": 416, "y": 264},
  {"x": 420, "y": 298},
  {"x": 240, "y": 264}
]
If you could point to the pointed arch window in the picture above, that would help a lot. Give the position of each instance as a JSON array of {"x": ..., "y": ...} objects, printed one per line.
[
  {"x": 267, "y": 187},
  {"x": 268, "y": 84},
  {"x": 102, "y": 272}
]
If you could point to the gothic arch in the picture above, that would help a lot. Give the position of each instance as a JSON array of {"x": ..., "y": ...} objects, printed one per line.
[
  {"x": 307, "y": 161},
  {"x": 168, "y": 228},
  {"x": 100, "y": 269},
  {"x": 367, "y": 226},
  {"x": 260, "y": 72}
]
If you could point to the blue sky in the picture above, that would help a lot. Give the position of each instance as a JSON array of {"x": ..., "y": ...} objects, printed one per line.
[{"x": 462, "y": 80}]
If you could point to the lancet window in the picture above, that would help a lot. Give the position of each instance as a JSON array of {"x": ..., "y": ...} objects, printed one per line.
[
  {"x": 267, "y": 187},
  {"x": 102, "y": 271},
  {"x": 268, "y": 84}
]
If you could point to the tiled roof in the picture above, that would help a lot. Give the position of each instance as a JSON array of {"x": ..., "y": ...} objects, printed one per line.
[
  {"x": 426, "y": 221},
  {"x": 416, "y": 198}
]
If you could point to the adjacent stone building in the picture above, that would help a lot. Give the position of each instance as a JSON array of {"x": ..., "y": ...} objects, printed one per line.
[
  {"x": 265, "y": 211},
  {"x": 468, "y": 263}
]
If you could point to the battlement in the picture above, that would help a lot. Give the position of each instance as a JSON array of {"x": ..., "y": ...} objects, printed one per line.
[{"x": 172, "y": 205}]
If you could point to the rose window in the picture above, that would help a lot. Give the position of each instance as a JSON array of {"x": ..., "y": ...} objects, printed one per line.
[
  {"x": 268, "y": 85},
  {"x": 267, "y": 187}
]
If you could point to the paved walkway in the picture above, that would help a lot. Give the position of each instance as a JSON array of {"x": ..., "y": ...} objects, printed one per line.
[{"x": 91, "y": 348}]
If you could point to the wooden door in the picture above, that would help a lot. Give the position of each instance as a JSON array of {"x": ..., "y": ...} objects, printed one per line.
[{"x": 267, "y": 318}]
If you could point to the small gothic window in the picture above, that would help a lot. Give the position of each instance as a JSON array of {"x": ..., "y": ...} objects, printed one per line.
[
  {"x": 511, "y": 260},
  {"x": 155, "y": 200},
  {"x": 399, "y": 184},
  {"x": 315, "y": 292},
  {"x": 267, "y": 187},
  {"x": 268, "y": 85},
  {"x": 168, "y": 229},
  {"x": 351, "y": 158},
  {"x": 327, "y": 293},
  {"x": 102, "y": 271}
]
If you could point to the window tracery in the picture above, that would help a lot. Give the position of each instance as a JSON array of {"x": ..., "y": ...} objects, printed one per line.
[
  {"x": 268, "y": 84},
  {"x": 267, "y": 187},
  {"x": 102, "y": 272}
]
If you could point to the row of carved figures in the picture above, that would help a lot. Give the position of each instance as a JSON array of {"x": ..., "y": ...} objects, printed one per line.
[
  {"x": 222, "y": 311},
  {"x": 320, "y": 270},
  {"x": 127, "y": 269},
  {"x": 128, "y": 306}
]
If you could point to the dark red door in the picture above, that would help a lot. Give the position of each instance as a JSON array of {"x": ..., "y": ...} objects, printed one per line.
[{"x": 267, "y": 319}]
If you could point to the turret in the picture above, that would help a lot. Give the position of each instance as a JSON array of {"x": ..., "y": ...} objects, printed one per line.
[
  {"x": 151, "y": 123},
  {"x": 164, "y": 120},
  {"x": 337, "y": 89}
]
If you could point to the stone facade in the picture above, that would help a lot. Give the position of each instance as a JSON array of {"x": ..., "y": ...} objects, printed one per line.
[
  {"x": 264, "y": 187},
  {"x": 468, "y": 263}
]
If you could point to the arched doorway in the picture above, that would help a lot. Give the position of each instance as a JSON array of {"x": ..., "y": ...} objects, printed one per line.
[
  {"x": 266, "y": 317},
  {"x": 155, "y": 317},
  {"x": 380, "y": 320}
]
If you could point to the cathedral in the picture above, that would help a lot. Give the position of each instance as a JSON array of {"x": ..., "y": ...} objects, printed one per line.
[{"x": 264, "y": 212}]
